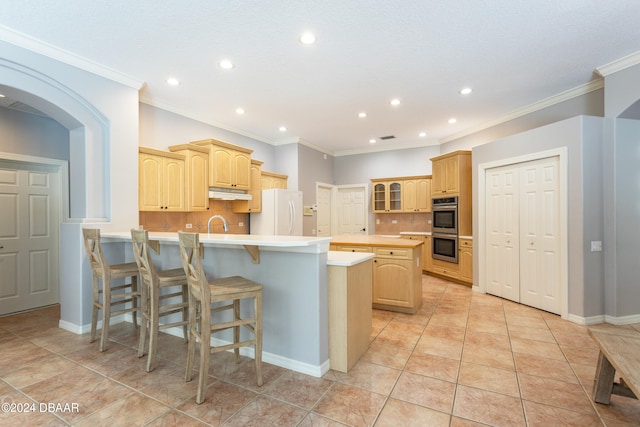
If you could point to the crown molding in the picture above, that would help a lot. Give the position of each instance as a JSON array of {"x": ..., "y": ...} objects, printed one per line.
[
  {"x": 619, "y": 64},
  {"x": 190, "y": 115},
  {"x": 38, "y": 46},
  {"x": 532, "y": 108}
]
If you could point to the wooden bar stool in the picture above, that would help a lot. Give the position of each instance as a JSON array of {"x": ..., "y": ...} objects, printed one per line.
[
  {"x": 202, "y": 294},
  {"x": 155, "y": 304},
  {"x": 112, "y": 296}
]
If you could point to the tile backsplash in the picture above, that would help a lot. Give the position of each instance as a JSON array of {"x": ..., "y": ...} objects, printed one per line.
[
  {"x": 177, "y": 221},
  {"x": 384, "y": 223}
]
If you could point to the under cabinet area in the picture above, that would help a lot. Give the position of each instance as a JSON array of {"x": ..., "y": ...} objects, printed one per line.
[{"x": 161, "y": 181}]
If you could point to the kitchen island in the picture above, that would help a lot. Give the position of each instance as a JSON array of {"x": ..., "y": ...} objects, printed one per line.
[
  {"x": 397, "y": 269},
  {"x": 293, "y": 272}
]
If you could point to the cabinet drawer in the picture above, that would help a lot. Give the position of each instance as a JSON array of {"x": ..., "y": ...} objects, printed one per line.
[
  {"x": 465, "y": 243},
  {"x": 395, "y": 253},
  {"x": 342, "y": 248},
  {"x": 445, "y": 268}
]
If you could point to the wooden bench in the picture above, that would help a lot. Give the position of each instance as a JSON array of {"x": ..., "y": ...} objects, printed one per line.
[{"x": 619, "y": 352}]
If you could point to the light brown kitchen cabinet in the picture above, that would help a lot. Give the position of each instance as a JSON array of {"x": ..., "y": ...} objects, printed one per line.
[
  {"x": 397, "y": 279},
  {"x": 161, "y": 181},
  {"x": 196, "y": 176},
  {"x": 465, "y": 258},
  {"x": 444, "y": 268},
  {"x": 273, "y": 180},
  {"x": 426, "y": 248},
  {"x": 387, "y": 195},
  {"x": 255, "y": 204},
  {"x": 397, "y": 272},
  {"x": 229, "y": 165},
  {"x": 416, "y": 194},
  {"x": 450, "y": 172}
]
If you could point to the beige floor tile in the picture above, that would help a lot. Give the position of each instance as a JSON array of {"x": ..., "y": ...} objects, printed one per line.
[
  {"x": 488, "y": 407},
  {"x": 315, "y": 420},
  {"x": 621, "y": 409},
  {"x": 298, "y": 389},
  {"x": 555, "y": 393},
  {"x": 245, "y": 375},
  {"x": 174, "y": 418},
  {"x": 488, "y": 378},
  {"x": 264, "y": 411},
  {"x": 425, "y": 391},
  {"x": 133, "y": 410},
  {"x": 539, "y": 415},
  {"x": 544, "y": 367},
  {"x": 440, "y": 347},
  {"x": 487, "y": 325},
  {"x": 406, "y": 340},
  {"x": 537, "y": 348},
  {"x": 495, "y": 341},
  {"x": 377, "y": 378},
  {"x": 393, "y": 357},
  {"x": 461, "y": 422},
  {"x": 581, "y": 355},
  {"x": 397, "y": 413},
  {"x": 447, "y": 332},
  {"x": 222, "y": 400},
  {"x": 351, "y": 405},
  {"x": 526, "y": 332},
  {"x": 433, "y": 366},
  {"x": 39, "y": 370},
  {"x": 487, "y": 356}
]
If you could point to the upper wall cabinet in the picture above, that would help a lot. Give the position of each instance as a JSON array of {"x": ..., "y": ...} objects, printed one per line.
[
  {"x": 416, "y": 194},
  {"x": 273, "y": 180},
  {"x": 161, "y": 180},
  {"x": 255, "y": 204},
  {"x": 229, "y": 165},
  {"x": 449, "y": 172},
  {"x": 387, "y": 195},
  {"x": 196, "y": 175}
]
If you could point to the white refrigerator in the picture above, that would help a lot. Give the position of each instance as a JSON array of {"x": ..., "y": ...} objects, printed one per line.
[{"x": 281, "y": 214}]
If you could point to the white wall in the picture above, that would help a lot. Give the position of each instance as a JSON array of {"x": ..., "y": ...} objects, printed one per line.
[{"x": 33, "y": 135}]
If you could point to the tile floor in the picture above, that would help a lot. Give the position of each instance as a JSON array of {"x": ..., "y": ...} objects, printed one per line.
[{"x": 465, "y": 359}]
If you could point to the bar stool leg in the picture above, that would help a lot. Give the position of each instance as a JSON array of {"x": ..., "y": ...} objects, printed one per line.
[
  {"x": 144, "y": 318},
  {"x": 153, "y": 326},
  {"x": 236, "y": 329},
  {"x": 257, "y": 307},
  {"x": 205, "y": 335},
  {"x": 94, "y": 308},
  {"x": 106, "y": 310}
]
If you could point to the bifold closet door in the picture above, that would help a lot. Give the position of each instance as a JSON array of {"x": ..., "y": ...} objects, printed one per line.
[
  {"x": 503, "y": 232},
  {"x": 522, "y": 225}
]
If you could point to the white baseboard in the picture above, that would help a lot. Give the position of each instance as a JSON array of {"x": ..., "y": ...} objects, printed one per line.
[{"x": 603, "y": 318}]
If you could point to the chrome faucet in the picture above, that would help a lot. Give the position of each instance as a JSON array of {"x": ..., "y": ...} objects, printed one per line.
[{"x": 225, "y": 226}]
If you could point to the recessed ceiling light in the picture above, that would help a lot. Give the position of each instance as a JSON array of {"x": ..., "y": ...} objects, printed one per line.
[
  {"x": 173, "y": 81},
  {"x": 395, "y": 102},
  {"x": 422, "y": 134},
  {"x": 307, "y": 38},
  {"x": 226, "y": 64},
  {"x": 240, "y": 110},
  {"x": 465, "y": 91},
  {"x": 362, "y": 115},
  {"x": 372, "y": 141},
  {"x": 282, "y": 128},
  {"x": 452, "y": 120}
]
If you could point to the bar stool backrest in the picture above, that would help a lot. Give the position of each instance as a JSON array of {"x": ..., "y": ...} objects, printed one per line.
[
  {"x": 190, "y": 254},
  {"x": 140, "y": 241},
  {"x": 94, "y": 250}
]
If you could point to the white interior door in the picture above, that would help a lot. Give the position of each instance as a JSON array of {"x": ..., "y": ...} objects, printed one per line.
[
  {"x": 323, "y": 214},
  {"x": 523, "y": 233},
  {"x": 28, "y": 236},
  {"x": 503, "y": 233},
  {"x": 539, "y": 231},
  {"x": 352, "y": 209}
]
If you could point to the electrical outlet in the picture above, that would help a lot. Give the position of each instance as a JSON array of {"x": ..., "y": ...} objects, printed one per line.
[
  {"x": 188, "y": 226},
  {"x": 377, "y": 221},
  {"x": 394, "y": 221},
  {"x": 241, "y": 224},
  {"x": 428, "y": 221}
]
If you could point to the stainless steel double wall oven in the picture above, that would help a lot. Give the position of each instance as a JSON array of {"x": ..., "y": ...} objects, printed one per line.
[{"x": 445, "y": 228}]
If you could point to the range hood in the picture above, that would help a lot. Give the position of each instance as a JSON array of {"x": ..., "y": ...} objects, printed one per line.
[{"x": 227, "y": 194}]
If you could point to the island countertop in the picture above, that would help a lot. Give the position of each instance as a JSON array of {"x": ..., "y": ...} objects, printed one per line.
[{"x": 373, "y": 240}]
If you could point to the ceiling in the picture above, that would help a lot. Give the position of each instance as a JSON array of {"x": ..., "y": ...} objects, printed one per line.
[{"x": 512, "y": 53}]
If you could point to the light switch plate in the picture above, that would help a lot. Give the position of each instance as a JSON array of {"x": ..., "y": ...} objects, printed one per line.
[{"x": 596, "y": 246}]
